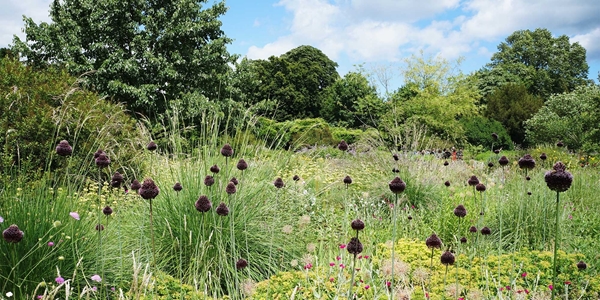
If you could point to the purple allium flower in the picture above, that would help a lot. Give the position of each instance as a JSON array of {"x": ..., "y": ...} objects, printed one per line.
[
  {"x": 447, "y": 258},
  {"x": 460, "y": 211},
  {"x": 222, "y": 210},
  {"x": 230, "y": 188},
  {"x": 480, "y": 187},
  {"x": 209, "y": 180},
  {"x": 241, "y": 264},
  {"x": 234, "y": 180},
  {"x": 472, "y": 229},
  {"x": 503, "y": 161},
  {"x": 357, "y": 225},
  {"x": 527, "y": 162},
  {"x": 463, "y": 240},
  {"x": 473, "y": 181},
  {"x": 278, "y": 183},
  {"x": 543, "y": 156},
  {"x": 446, "y": 163},
  {"x": 397, "y": 186},
  {"x": 447, "y": 183},
  {"x": 560, "y": 144},
  {"x": 149, "y": 190},
  {"x": 486, "y": 231},
  {"x": 151, "y": 146},
  {"x": 581, "y": 265},
  {"x": 227, "y": 151},
  {"x": 215, "y": 169},
  {"x": 135, "y": 185},
  {"x": 96, "y": 278},
  {"x": 558, "y": 179},
  {"x": 354, "y": 246},
  {"x": 59, "y": 280},
  {"x": 495, "y": 136},
  {"x": 433, "y": 241},
  {"x": 107, "y": 211},
  {"x": 74, "y": 215},
  {"x": 347, "y": 180},
  {"x": 343, "y": 145},
  {"x": 116, "y": 180},
  {"x": 50, "y": 244},
  {"x": 296, "y": 178},
  {"x": 496, "y": 151},
  {"x": 63, "y": 148},
  {"x": 12, "y": 234},
  {"x": 97, "y": 153},
  {"x": 203, "y": 204},
  {"x": 177, "y": 187},
  {"x": 102, "y": 161},
  {"x": 242, "y": 165},
  {"x": 491, "y": 164},
  {"x": 395, "y": 156}
]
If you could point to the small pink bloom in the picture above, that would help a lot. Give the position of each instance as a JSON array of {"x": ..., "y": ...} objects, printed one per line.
[
  {"x": 342, "y": 246},
  {"x": 570, "y": 217},
  {"x": 50, "y": 244},
  {"x": 567, "y": 282},
  {"x": 502, "y": 289},
  {"x": 308, "y": 266},
  {"x": 526, "y": 291},
  {"x": 342, "y": 266},
  {"x": 366, "y": 257},
  {"x": 388, "y": 283},
  {"x": 331, "y": 264},
  {"x": 508, "y": 287},
  {"x": 75, "y": 215},
  {"x": 338, "y": 257},
  {"x": 94, "y": 288},
  {"x": 59, "y": 280},
  {"x": 96, "y": 278},
  {"x": 550, "y": 287},
  {"x": 360, "y": 257},
  {"x": 367, "y": 287},
  {"x": 524, "y": 274}
]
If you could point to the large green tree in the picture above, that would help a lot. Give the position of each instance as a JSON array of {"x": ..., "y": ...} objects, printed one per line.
[
  {"x": 142, "y": 52},
  {"x": 543, "y": 63}
]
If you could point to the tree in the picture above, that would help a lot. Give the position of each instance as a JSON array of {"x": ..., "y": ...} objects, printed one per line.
[
  {"x": 296, "y": 81},
  {"x": 546, "y": 65},
  {"x": 573, "y": 118},
  {"x": 141, "y": 52},
  {"x": 511, "y": 105}
]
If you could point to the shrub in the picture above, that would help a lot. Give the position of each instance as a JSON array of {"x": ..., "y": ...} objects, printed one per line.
[
  {"x": 478, "y": 131},
  {"x": 348, "y": 135}
]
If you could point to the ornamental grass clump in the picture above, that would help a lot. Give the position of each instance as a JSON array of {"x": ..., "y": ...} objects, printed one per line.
[{"x": 559, "y": 180}]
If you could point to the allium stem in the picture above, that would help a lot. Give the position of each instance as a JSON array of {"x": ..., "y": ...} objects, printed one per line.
[
  {"x": 152, "y": 235},
  {"x": 556, "y": 243},
  {"x": 352, "y": 278},
  {"x": 393, "y": 243}
]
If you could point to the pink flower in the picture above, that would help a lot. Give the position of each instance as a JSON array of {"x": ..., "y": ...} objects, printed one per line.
[
  {"x": 570, "y": 217},
  {"x": 308, "y": 266},
  {"x": 388, "y": 283},
  {"x": 75, "y": 215},
  {"x": 567, "y": 282},
  {"x": 338, "y": 257},
  {"x": 59, "y": 280},
  {"x": 366, "y": 257},
  {"x": 550, "y": 287},
  {"x": 96, "y": 278},
  {"x": 524, "y": 274},
  {"x": 331, "y": 264},
  {"x": 367, "y": 287},
  {"x": 40, "y": 296},
  {"x": 508, "y": 287},
  {"x": 342, "y": 266},
  {"x": 50, "y": 244},
  {"x": 342, "y": 246},
  {"x": 331, "y": 279}
]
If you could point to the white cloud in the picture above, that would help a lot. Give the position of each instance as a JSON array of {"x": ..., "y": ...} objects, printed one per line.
[
  {"x": 394, "y": 10},
  {"x": 590, "y": 42}
]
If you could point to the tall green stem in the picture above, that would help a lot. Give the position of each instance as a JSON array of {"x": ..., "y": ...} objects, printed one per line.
[
  {"x": 393, "y": 244},
  {"x": 556, "y": 243}
]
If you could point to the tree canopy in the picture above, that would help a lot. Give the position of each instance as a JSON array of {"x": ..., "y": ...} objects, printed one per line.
[{"x": 141, "y": 52}]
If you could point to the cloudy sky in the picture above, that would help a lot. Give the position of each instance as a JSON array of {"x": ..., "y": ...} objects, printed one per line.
[{"x": 380, "y": 32}]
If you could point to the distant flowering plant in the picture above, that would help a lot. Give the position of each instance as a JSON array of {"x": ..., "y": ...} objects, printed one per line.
[
  {"x": 74, "y": 215},
  {"x": 96, "y": 278}
]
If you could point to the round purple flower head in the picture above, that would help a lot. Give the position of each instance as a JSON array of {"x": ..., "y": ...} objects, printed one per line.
[
  {"x": 446, "y": 163},
  {"x": 543, "y": 156},
  {"x": 497, "y": 151},
  {"x": 472, "y": 229},
  {"x": 278, "y": 183},
  {"x": 102, "y": 161},
  {"x": 473, "y": 181},
  {"x": 116, "y": 180},
  {"x": 480, "y": 187},
  {"x": 63, "y": 148},
  {"x": 447, "y": 258},
  {"x": 149, "y": 190},
  {"x": 227, "y": 151},
  {"x": 177, "y": 187},
  {"x": 230, "y": 188},
  {"x": 296, "y": 178},
  {"x": 234, "y": 180},
  {"x": 135, "y": 185},
  {"x": 215, "y": 169},
  {"x": 343, "y": 145},
  {"x": 97, "y": 153},
  {"x": 395, "y": 156},
  {"x": 354, "y": 246},
  {"x": 463, "y": 240},
  {"x": 486, "y": 231},
  {"x": 203, "y": 204},
  {"x": 12, "y": 234},
  {"x": 347, "y": 180},
  {"x": 581, "y": 265},
  {"x": 527, "y": 162},
  {"x": 447, "y": 183},
  {"x": 491, "y": 164},
  {"x": 241, "y": 264},
  {"x": 107, "y": 211},
  {"x": 397, "y": 186},
  {"x": 558, "y": 179},
  {"x": 209, "y": 180},
  {"x": 222, "y": 210},
  {"x": 242, "y": 165},
  {"x": 560, "y": 144},
  {"x": 503, "y": 161},
  {"x": 433, "y": 241},
  {"x": 358, "y": 225},
  {"x": 460, "y": 211},
  {"x": 151, "y": 146}
]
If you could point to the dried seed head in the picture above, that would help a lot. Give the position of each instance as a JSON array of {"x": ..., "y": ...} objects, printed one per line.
[
  {"x": 354, "y": 246},
  {"x": 527, "y": 162},
  {"x": 347, "y": 180},
  {"x": 177, "y": 187},
  {"x": 527, "y": 178},
  {"x": 503, "y": 161},
  {"x": 447, "y": 258},
  {"x": 278, "y": 183},
  {"x": 222, "y": 210},
  {"x": 473, "y": 181},
  {"x": 149, "y": 190},
  {"x": 63, "y": 148},
  {"x": 480, "y": 187},
  {"x": 397, "y": 185},
  {"x": 543, "y": 156},
  {"x": 242, "y": 165},
  {"x": 135, "y": 185},
  {"x": 227, "y": 151},
  {"x": 529, "y": 193},
  {"x": 209, "y": 180},
  {"x": 296, "y": 178},
  {"x": 151, "y": 146},
  {"x": 472, "y": 229},
  {"x": 102, "y": 161},
  {"x": 486, "y": 231},
  {"x": 460, "y": 211},
  {"x": 558, "y": 179},
  {"x": 203, "y": 204},
  {"x": 230, "y": 188},
  {"x": 343, "y": 145},
  {"x": 12, "y": 234},
  {"x": 358, "y": 225},
  {"x": 107, "y": 211},
  {"x": 410, "y": 217},
  {"x": 581, "y": 265},
  {"x": 241, "y": 264},
  {"x": 215, "y": 169},
  {"x": 433, "y": 241}
]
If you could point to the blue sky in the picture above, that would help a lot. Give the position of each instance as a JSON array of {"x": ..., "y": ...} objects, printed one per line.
[{"x": 380, "y": 33}]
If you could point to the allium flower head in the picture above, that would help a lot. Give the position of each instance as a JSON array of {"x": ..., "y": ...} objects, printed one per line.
[
  {"x": 395, "y": 170},
  {"x": 203, "y": 204},
  {"x": 490, "y": 164},
  {"x": 473, "y": 181},
  {"x": 410, "y": 217},
  {"x": 242, "y": 165},
  {"x": 446, "y": 163},
  {"x": 107, "y": 211},
  {"x": 227, "y": 151},
  {"x": 135, "y": 185},
  {"x": 343, "y": 145},
  {"x": 209, "y": 180},
  {"x": 472, "y": 229},
  {"x": 395, "y": 156},
  {"x": 97, "y": 153},
  {"x": 74, "y": 215},
  {"x": 296, "y": 178},
  {"x": 460, "y": 211},
  {"x": 463, "y": 240},
  {"x": 495, "y": 136},
  {"x": 543, "y": 156},
  {"x": 560, "y": 144},
  {"x": 347, "y": 180},
  {"x": 503, "y": 161},
  {"x": 497, "y": 151},
  {"x": 527, "y": 162},
  {"x": 59, "y": 280},
  {"x": 278, "y": 183},
  {"x": 447, "y": 183},
  {"x": 234, "y": 180},
  {"x": 116, "y": 180},
  {"x": 558, "y": 179},
  {"x": 480, "y": 187},
  {"x": 230, "y": 188},
  {"x": 151, "y": 146},
  {"x": 241, "y": 264},
  {"x": 63, "y": 148},
  {"x": 433, "y": 241},
  {"x": 215, "y": 169},
  {"x": 486, "y": 231},
  {"x": 397, "y": 186},
  {"x": 102, "y": 161},
  {"x": 177, "y": 187},
  {"x": 581, "y": 265},
  {"x": 149, "y": 190},
  {"x": 12, "y": 234},
  {"x": 447, "y": 258},
  {"x": 222, "y": 209},
  {"x": 354, "y": 246},
  {"x": 357, "y": 225}
]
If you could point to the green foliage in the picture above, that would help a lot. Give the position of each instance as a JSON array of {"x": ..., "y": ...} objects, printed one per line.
[
  {"x": 478, "y": 131},
  {"x": 349, "y": 135},
  {"x": 46, "y": 107},
  {"x": 545, "y": 64},
  {"x": 294, "y": 134},
  {"x": 145, "y": 53},
  {"x": 512, "y": 105},
  {"x": 570, "y": 117},
  {"x": 165, "y": 286}
]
